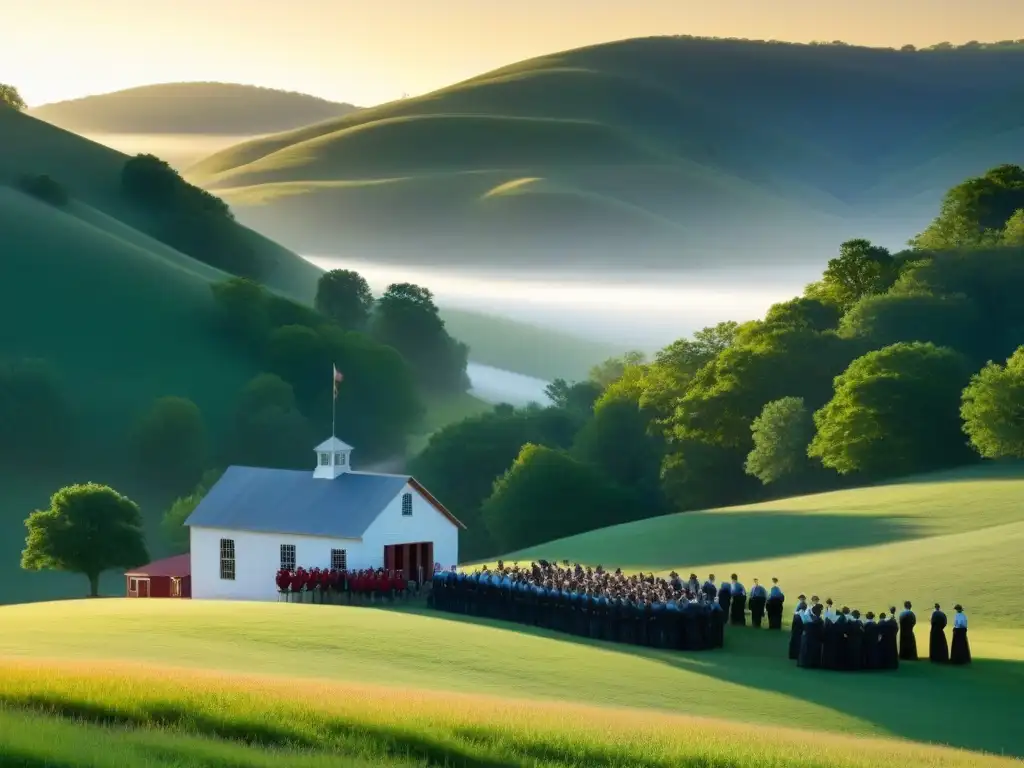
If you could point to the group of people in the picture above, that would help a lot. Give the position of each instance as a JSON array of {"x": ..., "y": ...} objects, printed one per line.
[
  {"x": 639, "y": 609},
  {"x": 823, "y": 637},
  {"x": 324, "y": 585}
]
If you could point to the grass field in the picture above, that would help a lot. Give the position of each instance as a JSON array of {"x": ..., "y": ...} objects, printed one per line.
[
  {"x": 239, "y": 682},
  {"x": 682, "y": 151}
]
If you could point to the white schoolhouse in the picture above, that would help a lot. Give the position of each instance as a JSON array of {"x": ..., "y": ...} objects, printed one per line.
[{"x": 255, "y": 521}]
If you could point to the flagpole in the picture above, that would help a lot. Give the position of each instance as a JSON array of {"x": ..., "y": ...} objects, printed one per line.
[{"x": 334, "y": 398}]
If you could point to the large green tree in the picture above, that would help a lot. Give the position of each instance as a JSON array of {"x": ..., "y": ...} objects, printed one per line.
[
  {"x": 606, "y": 373},
  {"x": 781, "y": 435},
  {"x": 861, "y": 269},
  {"x": 9, "y": 97},
  {"x": 345, "y": 297},
  {"x": 172, "y": 447},
  {"x": 993, "y": 409},
  {"x": 976, "y": 211},
  {"x": 547, "y": 495},
  {"x": 269, "y": 430},
  {"x": 895, "y": 411},
  {"x": 407, "y": 319},
  {"x": 87, "y": 529}
]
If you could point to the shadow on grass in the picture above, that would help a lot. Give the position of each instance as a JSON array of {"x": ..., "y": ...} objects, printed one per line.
[
  {"x": 661, "y": 543},
  {"x": 978, "y": 708}
]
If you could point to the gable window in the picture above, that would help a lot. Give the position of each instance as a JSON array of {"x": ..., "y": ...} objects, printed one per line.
[
  {"x": 339, "y": 559},
  {"x": 339, "y": 459},
  {"x": 288, "y": 557},
  {"x": 406, "y": 505},
  {"x": 227, "y": 559},
  {"x": 325, "y": 459}
]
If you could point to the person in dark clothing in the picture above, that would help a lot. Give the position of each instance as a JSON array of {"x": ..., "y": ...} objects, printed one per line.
[
  {"x": 758, "y": 601},
  {"x": 810, "y": 641},
  {"x": 854, "y": 643},
  {"x": 709, "y": 589},
  {"x": 960, "y": 651},
  {"x": 842, "y": 624},
  {"x": 725, "y": 597},
  {"x": 871, "y": 636},
  {"x": 830, "y": 645},
  {"x": 881, "y": 660},
  {"x": 797, "y": 629},
  {"x": 908, "y": 643},
  {"x": 738, "y": 611},
  {"x": 774, "y": 608},
  {"x": 938, "y": 649},
  {"x": 891, "y": 653}
]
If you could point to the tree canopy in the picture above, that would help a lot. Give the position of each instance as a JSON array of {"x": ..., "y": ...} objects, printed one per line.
[
  {"x": 9, "y": 97},
  {"x": 781, "y": 435},
  {"x": 993, "y": 409},
  {"x": 87, "y": 529},
  {"x": 344, "y": 296},
  {"x": 171, "y": 443}
]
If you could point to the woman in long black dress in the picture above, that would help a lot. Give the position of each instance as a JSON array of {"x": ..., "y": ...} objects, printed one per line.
[
  {"x": 810, "y": 641},
  {"x": 938, "y": 649},
  {"x": 870, "y": 643},
  {"x": 960, "y": 652},
  {"x": 908, "y": 643},
  {"x": 889, "y": 638},
  {"x": 797, "y": 630}
]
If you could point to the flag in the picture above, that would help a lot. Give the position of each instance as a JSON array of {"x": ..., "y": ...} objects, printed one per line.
[{"x": 337, "y": 380}]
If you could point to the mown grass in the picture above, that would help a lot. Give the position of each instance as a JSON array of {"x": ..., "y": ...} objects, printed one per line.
[{"x": 101, "y": 713}]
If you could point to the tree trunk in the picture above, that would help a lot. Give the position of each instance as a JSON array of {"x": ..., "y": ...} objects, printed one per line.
[{"x": 94, "y": 584}]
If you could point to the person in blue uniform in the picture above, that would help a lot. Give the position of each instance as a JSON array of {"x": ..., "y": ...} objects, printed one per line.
[
  {"x": 758, "y": 601},
  {"x": 776, "y": 602},
  {"x": 938, "y": 649},
  {"x": 908, "y": 643},
  {"x": 738, "y": 611},
  {"x": 797, "y": 628},
  {"x": 960, "y": 651},
  {"x": 709, "y": 588}
]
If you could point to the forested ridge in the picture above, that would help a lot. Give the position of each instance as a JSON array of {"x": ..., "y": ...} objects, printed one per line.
[{"x": 890, "y": 364}]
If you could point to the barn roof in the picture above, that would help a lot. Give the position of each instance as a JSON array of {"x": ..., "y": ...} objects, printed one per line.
[
  {"x": 293, "y": 501},
  {"x": 179, "y": 565}
]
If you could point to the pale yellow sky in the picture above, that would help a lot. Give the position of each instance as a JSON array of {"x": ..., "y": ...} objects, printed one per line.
[{"x": 367, "y": 52}]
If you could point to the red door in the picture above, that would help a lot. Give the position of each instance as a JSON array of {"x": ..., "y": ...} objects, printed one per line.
[{"x": 143, "y": 587}]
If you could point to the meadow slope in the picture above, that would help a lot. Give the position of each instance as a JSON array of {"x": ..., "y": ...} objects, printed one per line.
[
  {"x": 678, "y": 151},
  {"x": 184, "y": 665}
]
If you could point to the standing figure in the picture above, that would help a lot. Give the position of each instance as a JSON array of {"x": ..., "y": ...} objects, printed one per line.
[
  {"x": 908, "y": 643},
  {"x": 797, "y": 629},
  {"x": 739, "y": 602},
  {"x": 854, "y": 642},
  {"x": 960, "y": 652},
  {"x": 810, "y": 641},
  {"x": 758, "y": 601},
  {"x": 891, "y": 651},
  {"x": 830, "y": 612},
  {"x": 870, "y": 646},
  {"x": 709, "y": 588},
  {"x": 725, "y": 597},
  {"x": 938, "y": 649},
  {"x": 776, "y": 600}
]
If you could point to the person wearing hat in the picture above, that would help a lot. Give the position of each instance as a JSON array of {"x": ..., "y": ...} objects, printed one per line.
[
  {"x": 938, "y": 649},
  {"x": 960, "y": 651},
  {"x": 854, "y": 642},
  {"x": 908, "y": 644},
  {"x": 888, "y": 637},
  {"x": 870, "y": 643},
  {"x": 797, "y": 628},
  {"x": 810, "y": 641},
  {"x": 830, "y": 612},
  {"x": 776, "y": 599},
  {"x": 709, "y": 588},
  {"x": 758, "y": 600}
]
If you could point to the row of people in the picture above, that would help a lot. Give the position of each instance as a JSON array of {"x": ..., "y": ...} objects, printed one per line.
[
  {"x": 331, "y": 584},
  {"x": 589, "y": 602},
  {"x": 827, "y": 638}
]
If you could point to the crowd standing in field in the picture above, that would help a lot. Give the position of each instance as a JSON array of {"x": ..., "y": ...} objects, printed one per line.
[
  {"x": 639, "y": 609},
  {"x": 823, "y": 637},
  {"x": 330, "y": 585}
]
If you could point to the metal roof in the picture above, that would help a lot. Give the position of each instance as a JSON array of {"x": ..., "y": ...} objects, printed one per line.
[
  {"x": 179, "y": 565},
  {"x": 293, "y": 501}
]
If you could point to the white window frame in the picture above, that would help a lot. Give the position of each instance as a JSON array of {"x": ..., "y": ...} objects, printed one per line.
[
  {"x": 133, "y": 584},
  {"x": 339, "y": 559},
  {"x": 406, "y": 505},
  {"x": 325, "y": 459},
  {"x": 288, "y": 552},
  {"x": 339, "y": 459},
  {"x": 227, "y": 561}
]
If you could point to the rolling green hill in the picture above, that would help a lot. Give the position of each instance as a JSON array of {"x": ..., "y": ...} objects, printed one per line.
[
  {"x": 949, "y": 537},
  {"x": 680, "y": 150},
  {"x": 190, "y": 109}
]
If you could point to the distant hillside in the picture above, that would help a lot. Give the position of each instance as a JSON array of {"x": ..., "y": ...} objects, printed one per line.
[
  {"x": 675, "y": 151},
  {"x": 190, "y": 108}
]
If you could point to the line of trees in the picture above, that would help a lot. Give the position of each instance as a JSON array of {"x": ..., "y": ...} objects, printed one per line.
[{"x": 881, "y": 368}]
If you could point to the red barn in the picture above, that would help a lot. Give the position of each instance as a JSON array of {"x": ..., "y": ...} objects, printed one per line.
[{"x": 170, "y": 577}]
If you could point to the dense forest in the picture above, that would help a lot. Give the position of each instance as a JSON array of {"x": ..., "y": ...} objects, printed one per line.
[{"x": 890, "y": 364}]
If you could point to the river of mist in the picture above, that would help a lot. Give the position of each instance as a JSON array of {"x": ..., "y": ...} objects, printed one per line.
[{"x": 642, "y": 310}]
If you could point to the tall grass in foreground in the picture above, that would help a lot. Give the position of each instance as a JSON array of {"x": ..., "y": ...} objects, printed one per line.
[{"x": 117, "y": 715}]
